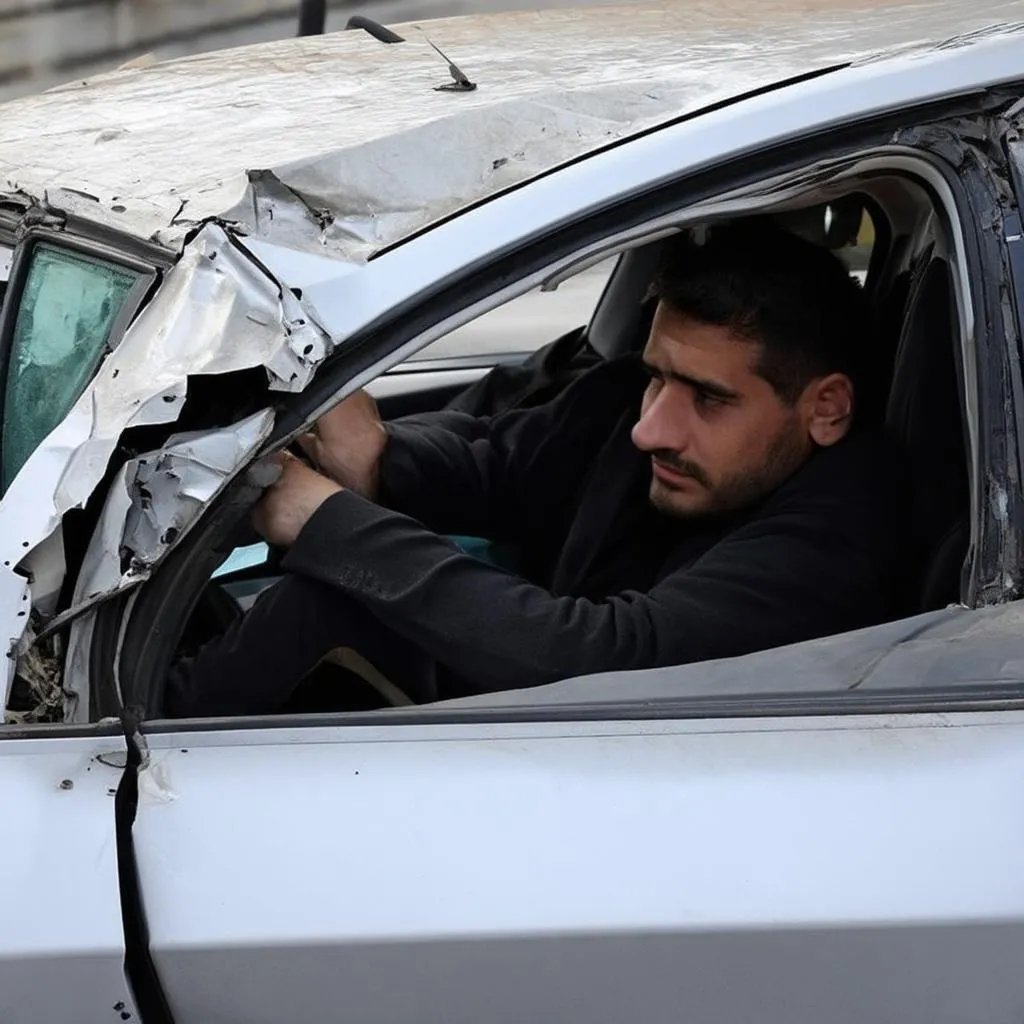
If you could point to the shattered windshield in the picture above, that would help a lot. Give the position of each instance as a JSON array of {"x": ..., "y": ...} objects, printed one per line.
[{"x": 69, "y": 306}]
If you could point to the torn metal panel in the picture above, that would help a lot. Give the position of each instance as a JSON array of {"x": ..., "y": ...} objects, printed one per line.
[
  {"x": 355, "y": 202},
  {"x": 45, "y": 569},
  {"x": 346, "y": 144},
  {"x": 157, "y": 497},
  {"x": 216, "y": 312},
  {"x": 15, "y": 604},
  {"x": 153, "y": 501},
  {"x": 305, "y": 347}
]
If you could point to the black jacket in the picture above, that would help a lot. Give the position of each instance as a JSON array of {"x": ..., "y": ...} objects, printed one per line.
[{"x": 607, "y": 581}]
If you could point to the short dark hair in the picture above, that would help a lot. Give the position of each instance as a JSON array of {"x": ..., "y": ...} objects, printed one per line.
[{"x": 767, "y": 285}]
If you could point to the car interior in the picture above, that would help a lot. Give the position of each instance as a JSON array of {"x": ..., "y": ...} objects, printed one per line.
[{"x": 890, "y": 231}]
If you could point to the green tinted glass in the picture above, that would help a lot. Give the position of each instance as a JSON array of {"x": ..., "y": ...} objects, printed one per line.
[{"x": 69, "y": 306}]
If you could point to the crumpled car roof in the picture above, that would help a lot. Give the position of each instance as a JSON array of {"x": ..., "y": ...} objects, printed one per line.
[{"x": 343, "y": 145}]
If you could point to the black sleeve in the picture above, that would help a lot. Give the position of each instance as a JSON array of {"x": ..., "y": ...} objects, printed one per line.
[
  {"x": 507, "y": 476},
  {"x": 781, "y": 579}
]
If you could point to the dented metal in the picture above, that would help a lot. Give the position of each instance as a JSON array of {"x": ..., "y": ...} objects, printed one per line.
[
  {"x": 151, "y": 504},
  {"x": 269, "y": 176},
  {"x": 217, "y": 311},
  {"x": 342, "y": 145},
  {"x": 157, "y": 496}
]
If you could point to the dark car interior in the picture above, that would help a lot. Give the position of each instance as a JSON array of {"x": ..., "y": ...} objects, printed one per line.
[{"x": 905, "y": 269}]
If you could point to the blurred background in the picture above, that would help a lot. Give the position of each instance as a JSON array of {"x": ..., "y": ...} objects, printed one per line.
[{"x": 46, "y": 42}]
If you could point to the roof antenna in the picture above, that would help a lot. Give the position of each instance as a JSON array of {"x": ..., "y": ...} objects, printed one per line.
[
  {"x": 459, "y": 82},
  {"x": 379, "y": 32}
]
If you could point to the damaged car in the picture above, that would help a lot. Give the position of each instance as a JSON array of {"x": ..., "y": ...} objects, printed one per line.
[{"x": 200, "y": 257}]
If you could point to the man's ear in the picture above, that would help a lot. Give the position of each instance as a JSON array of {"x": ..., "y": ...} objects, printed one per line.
[{"x": 827, "y": 408}]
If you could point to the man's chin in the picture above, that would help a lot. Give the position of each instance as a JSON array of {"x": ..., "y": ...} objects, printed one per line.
[{"x": 677, "y": 503}]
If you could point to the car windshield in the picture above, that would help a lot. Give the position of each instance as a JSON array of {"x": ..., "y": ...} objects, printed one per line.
[{"x": 69, "y": 306}]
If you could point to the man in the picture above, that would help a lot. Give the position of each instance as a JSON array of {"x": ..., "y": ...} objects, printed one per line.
[{"x": 721, "y": 496}]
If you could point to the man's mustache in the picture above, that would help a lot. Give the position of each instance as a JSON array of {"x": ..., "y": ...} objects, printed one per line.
[{"x": 674, "y": 461}]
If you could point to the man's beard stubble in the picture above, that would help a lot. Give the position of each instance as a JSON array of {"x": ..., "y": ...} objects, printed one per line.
[{"x": 736, "y": 492}]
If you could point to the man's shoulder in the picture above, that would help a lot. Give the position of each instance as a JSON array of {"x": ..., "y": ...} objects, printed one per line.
[
  {"x": 621, "y": 377},
  {"x": 591, "y": 404},
  {"x": 857, "y": 487}
]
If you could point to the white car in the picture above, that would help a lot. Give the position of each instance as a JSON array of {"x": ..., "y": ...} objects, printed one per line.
[{"x": 202, "y": 256}]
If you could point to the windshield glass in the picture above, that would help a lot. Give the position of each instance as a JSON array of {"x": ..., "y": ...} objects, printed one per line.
[{"x": 68, "y": 309}]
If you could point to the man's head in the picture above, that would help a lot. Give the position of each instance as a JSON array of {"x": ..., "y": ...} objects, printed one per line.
[{"x": 753, "y": 360}]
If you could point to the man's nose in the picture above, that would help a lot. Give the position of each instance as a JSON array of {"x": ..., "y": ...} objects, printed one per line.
[{"x": 662, "y": 425}]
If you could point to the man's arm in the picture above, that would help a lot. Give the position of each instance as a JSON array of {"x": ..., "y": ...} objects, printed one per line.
[
  {"x": 496, "y": 477},
  {"x": 781, "y": 579}
]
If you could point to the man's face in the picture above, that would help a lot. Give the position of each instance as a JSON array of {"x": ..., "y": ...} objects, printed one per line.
[{"x": 719, "y": 436}]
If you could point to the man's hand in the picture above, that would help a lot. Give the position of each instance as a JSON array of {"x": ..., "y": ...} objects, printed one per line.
[
  {"x": 286, "y": 507},
  {"x": 348, "y": 444}
]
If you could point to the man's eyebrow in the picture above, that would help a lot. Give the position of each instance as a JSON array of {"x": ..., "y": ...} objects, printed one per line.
[{"x": 705, "y": 387}]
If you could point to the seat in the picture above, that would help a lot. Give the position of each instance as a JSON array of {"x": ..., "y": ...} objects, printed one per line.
[
  {"x": 622, "y": 321},
  {"x": 924, "y": 414}
]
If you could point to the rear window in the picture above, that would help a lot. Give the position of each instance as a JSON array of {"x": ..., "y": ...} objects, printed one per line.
[
  {"x": 845, "y": 227},
  {"x": 857, "y": 251},
  {"x": 68, "y": 309}
]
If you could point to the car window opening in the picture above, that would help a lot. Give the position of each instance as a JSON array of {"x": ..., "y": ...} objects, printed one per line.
[{"x": 897, "y": 262}]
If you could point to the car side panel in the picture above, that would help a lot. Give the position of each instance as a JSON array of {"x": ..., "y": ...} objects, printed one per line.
[
  {"x": 775, "y": 870},
  {"x": 61, "y": 936}
]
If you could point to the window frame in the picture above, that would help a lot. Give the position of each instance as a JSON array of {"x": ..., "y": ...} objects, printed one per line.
[
  {"x": 379, "y": 344},
  {"x": 754, "y": 705}
]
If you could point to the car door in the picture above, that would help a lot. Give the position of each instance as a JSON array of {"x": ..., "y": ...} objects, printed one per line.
[
  {"x": 860, "y": 868},
  {"x": 62, "y": 946},
  {"x": 601, "y": 863},
  {"x": 68, "y": 302},
  {"x": 62, "y": 937},
  {"x": 590, "y": 863}
]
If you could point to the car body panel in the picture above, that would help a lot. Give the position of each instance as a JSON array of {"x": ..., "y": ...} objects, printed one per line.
[
  {"x": 953, "y": 650},
  {"x": 70, "y": 463},
  {"x": 157, "y": 496},
  {"x": 319, "y": 143},
  {"x": 598, "y": 871},
  {"x": 62, "y": 941},
  {"x": 602, "y": 863},
  {"x": 216, "y": 312},
  {"x": 352, "y": 301}
]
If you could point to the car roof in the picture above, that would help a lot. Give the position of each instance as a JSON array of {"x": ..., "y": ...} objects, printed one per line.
[{"x": 343, "y": 145}]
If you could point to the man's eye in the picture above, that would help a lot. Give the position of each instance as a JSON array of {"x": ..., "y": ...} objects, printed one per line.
[{"x": 703, "y": 400}]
